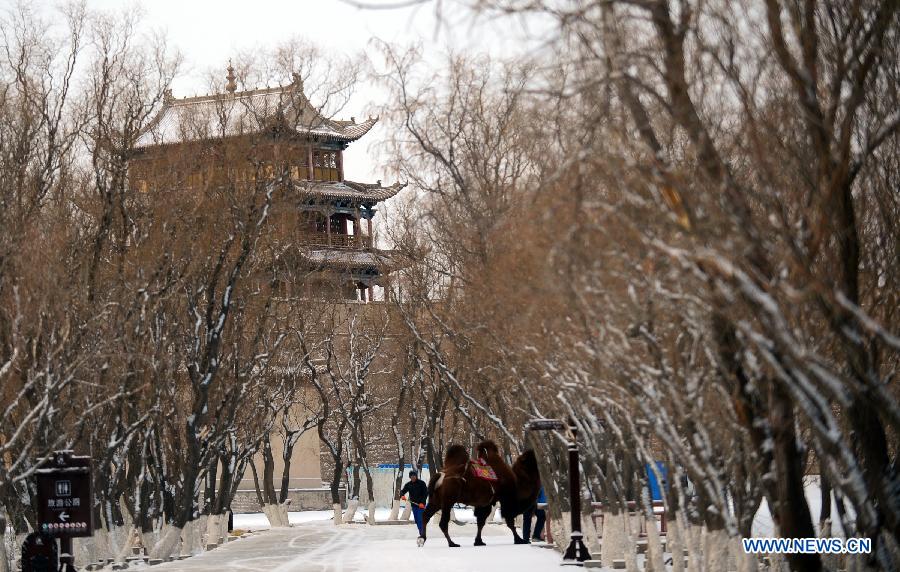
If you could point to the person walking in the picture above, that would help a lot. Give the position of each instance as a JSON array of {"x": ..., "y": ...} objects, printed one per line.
[
  {"x": 541, "y": 516},
  {"x": 418, "y": 496}
]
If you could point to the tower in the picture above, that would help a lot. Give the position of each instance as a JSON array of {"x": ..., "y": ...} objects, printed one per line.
[
  {"x": 276, "y": 134},
  {"x": 276, "y": 138}
]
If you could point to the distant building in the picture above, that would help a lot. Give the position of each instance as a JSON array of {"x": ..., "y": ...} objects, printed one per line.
[{"x": 276, "y": 134}]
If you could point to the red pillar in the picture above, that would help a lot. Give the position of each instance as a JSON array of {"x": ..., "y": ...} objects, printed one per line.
[{"x": 328, "y": 227}]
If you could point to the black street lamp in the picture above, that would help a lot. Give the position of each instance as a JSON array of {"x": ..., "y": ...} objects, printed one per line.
[{"x": 577, "y": 552}]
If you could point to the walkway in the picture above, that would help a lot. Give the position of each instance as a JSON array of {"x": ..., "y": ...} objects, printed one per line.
[{"x": 320, "y": 547}]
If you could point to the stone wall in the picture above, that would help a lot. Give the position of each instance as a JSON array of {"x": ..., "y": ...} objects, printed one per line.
[{"x": 301, "y": 499}]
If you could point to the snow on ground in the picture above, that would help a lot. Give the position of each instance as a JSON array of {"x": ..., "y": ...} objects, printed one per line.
[
  {"x": 258, "y": 521},
  {"x": 315, "y": 544},
  {"x": 319, "y": 545},
  {"x": 762, "y": 522}
]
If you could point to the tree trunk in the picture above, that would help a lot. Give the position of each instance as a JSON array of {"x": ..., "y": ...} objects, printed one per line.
[
  {"x": 675, "y": 540},
  {"x": 654, "y": 561},
  {"x": 352, "y": 505},
  {"x": 692, "y": 533},
  {"x": 187, "y": 538},
  {"x": 793, "y": 517},
  {"x": 613, "y": 545},
  {"x": 407, "y": 511},
  {"x": 715, "y": 549},
  {"x": 395, "y": 509},
  {"x": 168, "y": 544},
  {"x": 825, "y": 498},
  {"x": 4, "y": 557},
  {"x": 744, "y": 562}
]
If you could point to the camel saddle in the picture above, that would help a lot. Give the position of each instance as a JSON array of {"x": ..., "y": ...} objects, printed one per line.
[{"x": 482, "y": 470}]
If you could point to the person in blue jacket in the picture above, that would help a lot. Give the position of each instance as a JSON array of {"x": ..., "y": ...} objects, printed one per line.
[{"x": 540, "y": 516}]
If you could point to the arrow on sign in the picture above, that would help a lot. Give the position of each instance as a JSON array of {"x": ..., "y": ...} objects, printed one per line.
[{"x": 63, "y": 516}]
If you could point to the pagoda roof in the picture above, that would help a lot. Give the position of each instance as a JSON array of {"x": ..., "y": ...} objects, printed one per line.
[
  {"x": 361, "y": 192},
  {"x": 246, "y": 112}
]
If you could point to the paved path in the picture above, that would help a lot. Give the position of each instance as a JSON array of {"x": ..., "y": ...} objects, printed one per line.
[{"x": 321, "y": 547}]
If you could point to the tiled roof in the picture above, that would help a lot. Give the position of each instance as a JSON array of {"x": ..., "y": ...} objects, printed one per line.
[
  {"x": 226, "y": 115},
  {"x": 349, "y": 190}
]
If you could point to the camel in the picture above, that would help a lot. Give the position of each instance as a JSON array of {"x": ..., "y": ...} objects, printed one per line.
[{"x": 516, "y": 488}]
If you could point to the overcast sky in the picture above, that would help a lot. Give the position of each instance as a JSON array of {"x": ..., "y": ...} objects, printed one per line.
[{"x": 208, "y": 32}]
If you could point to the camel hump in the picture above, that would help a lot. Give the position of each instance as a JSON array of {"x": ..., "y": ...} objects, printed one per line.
[
  {"x": 487, "y": 448},
  {"x": 456, "y": 455},
  {"x": 528, "y": 461}
]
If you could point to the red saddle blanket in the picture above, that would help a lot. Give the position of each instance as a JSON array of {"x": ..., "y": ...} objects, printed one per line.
[{"x": 482, "y": 470}]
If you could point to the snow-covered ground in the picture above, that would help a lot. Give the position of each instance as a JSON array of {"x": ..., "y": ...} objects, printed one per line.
[
  {"x": 315, "y": 544},
  {"x": 762, "y": 522},
  {"x": 258, "y": 521},
  {"x": 318, "y": 545}
]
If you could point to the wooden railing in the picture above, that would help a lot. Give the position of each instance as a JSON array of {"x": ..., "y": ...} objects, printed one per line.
[
  {"x": 336, "y": 241},
  {"x": 659, "y": 512}
]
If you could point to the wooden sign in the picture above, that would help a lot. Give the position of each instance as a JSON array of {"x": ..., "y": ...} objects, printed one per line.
[{"x": 65, "y": 496}]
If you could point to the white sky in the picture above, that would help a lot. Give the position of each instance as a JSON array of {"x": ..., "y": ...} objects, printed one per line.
[{"x": 208, "y": 33}]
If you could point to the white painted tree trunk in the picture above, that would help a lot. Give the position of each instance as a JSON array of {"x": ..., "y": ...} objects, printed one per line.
[
  {"x": 778, "y": 563},
  {"x": 695, "y": 556},
  {"x": 744, "y": 562},
  {"x": 149, "y": 540},
  {"x": 352, "y": 505},
  {"x": 338, "y": 514},
  {"x": 613, "y": 538},
  {"x": 169, "y": 542},
  {"x": 395, "y": 510},
  {"x": 101, "y": 544},
  {"x": 675, "y": 543},
  {"x": 715, "y": 549},
  {"x": 118, "y": 538},
  {"x": 4, "y": 557},
  {"x": 226, "y": 516},
  {"x": 187, "y": 538},
  {"x": 212, "y": 530},
  {"x": 198, "y": 542},
  {"x": 591, "y": 536},
  {"x": 276, "y": 514},
  {"x": 654, "y": 561},
  {"x": 85, "y": 550},
  {"x": 632, "y": 529},
  {"x": 497, "y": 516},
  {"x": 125, "y": 548},
  {"x": 371, "y": 518},
  {"x": 407, "y": 511},
  {"x": 565, "y": 530}
]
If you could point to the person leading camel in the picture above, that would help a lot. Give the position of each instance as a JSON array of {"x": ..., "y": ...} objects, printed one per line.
[{"x": 418, "y": 496}]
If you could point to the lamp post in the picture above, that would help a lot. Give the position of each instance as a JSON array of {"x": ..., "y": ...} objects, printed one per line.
[{"x": 577, "y": 552}]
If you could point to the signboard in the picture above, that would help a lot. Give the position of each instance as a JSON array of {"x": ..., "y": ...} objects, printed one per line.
[
  {"x": 545, "y": 425},
  {"x": 65, "y": 497}
]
